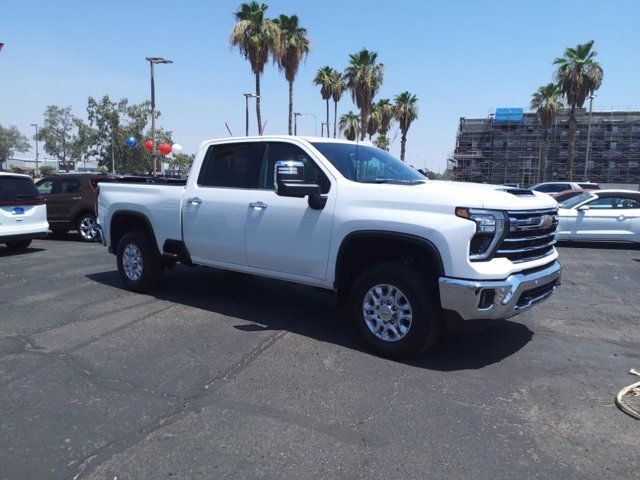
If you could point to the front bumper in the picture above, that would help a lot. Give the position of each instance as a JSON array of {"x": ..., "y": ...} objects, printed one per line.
[{"x": 472, "y": 301}]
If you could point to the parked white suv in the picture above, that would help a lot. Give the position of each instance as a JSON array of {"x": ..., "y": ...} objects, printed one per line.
[
  {"x": 23, "y": 214},
  {"x": 409, "y": 255}
]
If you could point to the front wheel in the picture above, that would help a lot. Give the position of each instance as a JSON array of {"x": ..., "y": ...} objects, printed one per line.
[
  {"x": 395, "y": 309},
  {"x": 139, "y": 264}
]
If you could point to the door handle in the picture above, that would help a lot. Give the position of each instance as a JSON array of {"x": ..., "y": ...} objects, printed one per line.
[
  {"x": 76, "y": 198},
  {"x": 194, "y": 200},
  {"x": 622, "y": 217},
  {"x": 258, "y": 205}
]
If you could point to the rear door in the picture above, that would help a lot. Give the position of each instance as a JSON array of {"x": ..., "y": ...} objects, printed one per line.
[
  {"x": 284, "y": 234},
  {"x": 215, "y": 206}
]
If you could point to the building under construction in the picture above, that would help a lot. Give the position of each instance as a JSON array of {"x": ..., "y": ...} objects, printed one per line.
[{"x": 506, "y": 146}]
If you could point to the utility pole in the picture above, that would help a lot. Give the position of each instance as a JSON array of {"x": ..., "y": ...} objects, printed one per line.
[
  {"x": 247, "y": 96},
  {"x": 586, "y": 158},
  {"x": 152, "y": 61},
  {"x": 37, "y": 153},
  {"x": 113, "y": 154}
]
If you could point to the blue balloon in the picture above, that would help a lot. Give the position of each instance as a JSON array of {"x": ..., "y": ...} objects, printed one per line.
[{"x": 131, "y": 142}]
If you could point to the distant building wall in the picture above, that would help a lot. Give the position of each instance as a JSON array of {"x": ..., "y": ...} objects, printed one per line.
[{"x": 506, "y": 147}]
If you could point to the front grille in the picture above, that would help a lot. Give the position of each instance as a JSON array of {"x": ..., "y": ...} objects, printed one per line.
[{"x": 529, "y": 235}]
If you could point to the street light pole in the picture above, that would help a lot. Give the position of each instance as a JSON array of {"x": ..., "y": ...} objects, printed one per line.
[
  {"x": 247, "y": 96},
  {"x": 37, "y": 153},
  {"x": 300, "y": 114},
  {"x": 152, "y": 61},
  {"x": 586, "y": 158}
]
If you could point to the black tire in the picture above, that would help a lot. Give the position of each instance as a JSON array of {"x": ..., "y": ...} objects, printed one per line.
[
  {"x": 419, "y": 288},
  {"x": 86, "y": 227},
  {"x": 152, "y": 267},
  {"x": 19, "y": 244}
]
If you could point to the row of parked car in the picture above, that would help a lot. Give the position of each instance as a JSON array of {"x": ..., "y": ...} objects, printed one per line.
[{"x": 586, "y": 212}]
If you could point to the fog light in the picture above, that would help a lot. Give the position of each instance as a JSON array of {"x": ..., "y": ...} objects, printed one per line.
[{"x": 486, "y": 298}]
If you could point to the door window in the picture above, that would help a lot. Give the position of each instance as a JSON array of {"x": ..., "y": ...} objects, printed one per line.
[
  {"x": 45, "y": 186},
  {"x": 69, "y": 185},
  {"x": 614, "y": 203},
  {"x": 234, "y": 165},
  {"x": 287, "y": 151}
]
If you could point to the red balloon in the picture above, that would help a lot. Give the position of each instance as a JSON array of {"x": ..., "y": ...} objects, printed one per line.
[
  {"x": 148, "y": 145},
  {"x": 165, "y": 149}
]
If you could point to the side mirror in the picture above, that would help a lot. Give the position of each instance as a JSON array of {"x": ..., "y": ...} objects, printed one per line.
[
  {"x": 583, "y": 208},
  {"x": 289, "y": 180}
]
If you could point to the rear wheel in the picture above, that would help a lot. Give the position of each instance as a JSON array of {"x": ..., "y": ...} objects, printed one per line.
[
  {"x": 139, "y": 263},
  {"x": 87, "y": 227},
  {"x": 395, "y": 309},
  {"x": 18, "y": 245}
]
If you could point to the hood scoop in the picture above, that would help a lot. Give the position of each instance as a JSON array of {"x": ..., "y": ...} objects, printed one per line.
[{"x": 518, "y": 192}]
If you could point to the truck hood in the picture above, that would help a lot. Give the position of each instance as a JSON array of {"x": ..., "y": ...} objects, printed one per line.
[{"x": 448, "y": 195}]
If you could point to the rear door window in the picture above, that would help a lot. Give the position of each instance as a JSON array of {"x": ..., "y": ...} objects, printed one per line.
[
  {"x": 69, "y": 185},
  {"x": 233, "y": 165},
  {"x": 16, "y": 188}
]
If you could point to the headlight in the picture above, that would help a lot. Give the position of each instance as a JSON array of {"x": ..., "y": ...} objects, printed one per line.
[{"x": 489, "y": 230}]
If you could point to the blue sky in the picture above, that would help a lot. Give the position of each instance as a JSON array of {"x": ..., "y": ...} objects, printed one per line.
[{"x": 461, "y": 58}]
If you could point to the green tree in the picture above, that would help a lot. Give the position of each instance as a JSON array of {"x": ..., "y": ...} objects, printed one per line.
[
  {"x": 386, "y": 115},
  {"x": 364, "y": 77},
  {"x": 350, "y": 125},
  {"x": 578, "y": 76},
  {"x": 182, "y": 163},
  {"x": 382, "y": 142},
  {"x": 57, "y": 133},
  {"x": 323, "y": 79},
  {"x": 256, "y": 37},
  {"x": 547, "y": 102},
  {"x": 46, "y": 170},
  {"x": 338, "y": 86},
  {"x": 406, "y": 111},
  {"x": 11, "y": 141},
  {"x": 294, "y": 48}
]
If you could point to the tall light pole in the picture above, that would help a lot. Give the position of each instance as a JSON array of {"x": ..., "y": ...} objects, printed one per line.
[
  {"x": 152, "y": 61},
  {"x": 247, "y": 96},
  {"x": 301, "y": 114},
  {"x": 586, "y": 157},
  {"x": 37, "y": 153}
]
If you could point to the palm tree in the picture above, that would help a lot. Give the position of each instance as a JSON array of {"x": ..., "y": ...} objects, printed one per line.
[
  {"x": 406, "y": 111},
  {"x": 256, "y": 37},
  {"x": 364, "y": 77},
  {"x": 386, "y": 115},
  {"x": 374, "y": 121},
  {"x": 338, "y": 86},
  {"x": 547, "y": 101},
  {"x": 578, "y": 76},
  {"x": 323, "y": 80},
  {"x": 294, "y": 47},
  {"x": 350, "y": 125},
  {"x": 382, "y": 142}
]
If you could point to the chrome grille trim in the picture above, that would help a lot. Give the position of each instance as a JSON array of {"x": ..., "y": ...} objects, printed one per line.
[{"x": 530, "y": 235}]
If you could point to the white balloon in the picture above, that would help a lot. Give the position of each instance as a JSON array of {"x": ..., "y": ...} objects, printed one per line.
[{"x": 176, "y": 148}]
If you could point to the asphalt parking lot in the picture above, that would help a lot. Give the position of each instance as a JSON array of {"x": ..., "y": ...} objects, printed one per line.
[{"x": 222, "y": 375}]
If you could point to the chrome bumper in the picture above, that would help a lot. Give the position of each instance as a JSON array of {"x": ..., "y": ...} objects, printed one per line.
[{"x": 498, "y": 299}]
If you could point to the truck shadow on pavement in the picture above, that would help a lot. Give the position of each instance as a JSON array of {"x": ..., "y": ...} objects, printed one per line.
[
  {"x": 5, "y": 252},
  {"x": 261, "y": 304}
]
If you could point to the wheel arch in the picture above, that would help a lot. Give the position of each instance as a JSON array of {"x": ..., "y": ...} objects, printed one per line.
[{"x": 124, "y": 221}]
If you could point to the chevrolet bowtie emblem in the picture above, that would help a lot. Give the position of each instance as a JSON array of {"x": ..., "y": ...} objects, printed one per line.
[{"x": 546, "y": 221}]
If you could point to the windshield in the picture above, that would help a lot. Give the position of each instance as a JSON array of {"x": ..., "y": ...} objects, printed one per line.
[
  {"x": 577, "y": 200},
  {"x": 365, "y": 164}
]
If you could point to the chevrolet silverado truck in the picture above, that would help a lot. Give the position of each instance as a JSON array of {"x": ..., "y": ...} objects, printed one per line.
[{"x": 409, "y": 256}]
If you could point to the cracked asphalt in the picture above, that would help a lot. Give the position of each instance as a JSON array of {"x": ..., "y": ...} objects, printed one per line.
[{"x": 221, "y": 375}]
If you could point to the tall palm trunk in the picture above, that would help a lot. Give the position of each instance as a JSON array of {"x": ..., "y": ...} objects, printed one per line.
[
  {"x": 542, "y": 168},
  {"x": 571, "y": 139},
  {"x": 291, "y": 107},
  {"x": 403, "y": 144},
  {"x": 335, "y": 118},
  {"x": 328, "y": 135},
  {"x": 258, "y": 114},
  {"x": 363, "y": 124}
]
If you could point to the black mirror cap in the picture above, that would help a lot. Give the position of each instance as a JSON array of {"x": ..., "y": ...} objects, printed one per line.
[{"x": 293, "y": 189}]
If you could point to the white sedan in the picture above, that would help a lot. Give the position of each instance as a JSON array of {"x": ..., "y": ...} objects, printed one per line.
[{"x": 603, "y": 215}]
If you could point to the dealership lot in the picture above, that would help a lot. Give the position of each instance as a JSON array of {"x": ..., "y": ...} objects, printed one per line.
[{"x": 221, "y": 375}]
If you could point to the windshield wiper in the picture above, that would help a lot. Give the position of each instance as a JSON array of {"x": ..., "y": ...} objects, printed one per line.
[{"x": 395, "y": 181}]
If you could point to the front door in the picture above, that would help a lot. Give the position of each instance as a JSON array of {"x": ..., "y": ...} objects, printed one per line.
[
  {"x": 608, "y": 218},
  {"x": 60, "y": 195},
  {"x": 215, "y": 206},
  {"x": 284, "y": 234}
]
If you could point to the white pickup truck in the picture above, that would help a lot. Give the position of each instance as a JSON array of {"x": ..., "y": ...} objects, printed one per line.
[{"x": 409, "y": 255}]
